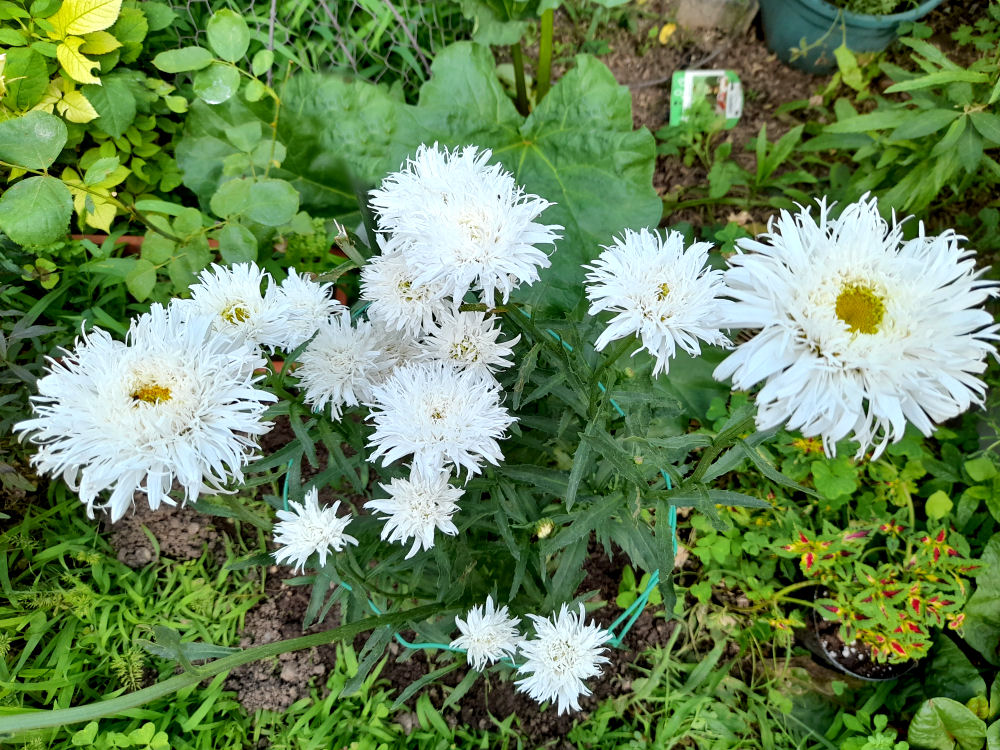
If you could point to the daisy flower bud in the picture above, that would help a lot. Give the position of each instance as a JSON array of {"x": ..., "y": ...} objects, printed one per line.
[
  {"x": 438, "y": 414},
  {"x": 469, "y": 341},
  {"x": 307, "y": 305},
  {"x": 416, "y": 507},
  {"x": 860, "y": 331},
  {"x": 564, "y": 652},
  {"x": 340, "y": 363},
  {"x": 659, "y": 292},
  {"x": 488, "y": 634},
  {"x": 463, "y": 223},
  {"x": 232, "y": 300},
  {"x": 307, "y": 529},
  {"x": 174, "y": 402}
]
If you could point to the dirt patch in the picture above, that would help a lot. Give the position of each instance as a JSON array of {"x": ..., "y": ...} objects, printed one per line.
[
  {"x": 275, "y": 684},
  {"x": 180, "y": 534},
  {"x": 640, "y": 62}
]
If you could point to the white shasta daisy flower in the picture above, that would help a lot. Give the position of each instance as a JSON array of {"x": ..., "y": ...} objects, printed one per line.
[
  {"x": 175, "y": 402},
  {"x": 463, "y": 222},
  {"x": 232, "y": 300},
  {"x": 564, "y": 652},
  {"x": 488, "y": 635},
  {"x": 398, "y": 347},
  {"x": 340, "y": 364},
  {"x": 308, "y": 529},
  {"x": 307, "y": 305},
  {"x": 860, "y": 330},
  {"x": 469, "y": 341},
  {"x": 397, "y": 300},
  {"x": 416, "y": 507},
  {"x": 658, "y": 291},
  {"x": 438, "y": 414}
]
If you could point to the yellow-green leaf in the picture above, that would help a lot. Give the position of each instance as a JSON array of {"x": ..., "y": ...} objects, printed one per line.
[
  {"x": 52, "y": 95},
  {"x": 75, "y": 107},
  {"x": 83, "y": 17},
  {"x": 99, "y": 43},
  {"x": 77, "y": 67}
]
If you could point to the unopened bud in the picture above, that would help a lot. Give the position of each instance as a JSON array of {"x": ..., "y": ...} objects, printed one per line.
[{"x": 544, "y": 528}]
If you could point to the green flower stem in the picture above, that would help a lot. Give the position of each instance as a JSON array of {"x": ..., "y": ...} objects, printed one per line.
[
  {"x": 544, "y": 56},
  {"x": 520, "y": 88},
  {"x": 617, "y": 349},
  {"x": 32, "y": 720},
  {"x": 712, "y": 451}
]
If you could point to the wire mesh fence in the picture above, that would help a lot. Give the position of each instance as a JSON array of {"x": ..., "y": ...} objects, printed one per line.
[{"x": 390, "y": 41}]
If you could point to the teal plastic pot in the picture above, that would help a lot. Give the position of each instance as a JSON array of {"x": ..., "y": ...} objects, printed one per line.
[{"x": 825, "y": 27}]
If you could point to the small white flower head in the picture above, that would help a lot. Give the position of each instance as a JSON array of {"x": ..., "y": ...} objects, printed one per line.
[
  {"x": 438, "y": 414},
  {"x": 232, "y": 299},
  {"x": 469, "y": 341},
  {"x": 564, "y": 652},
  {"x": 397, "y": 346},
  {"x": 463, "y": 223},
  {"x": 340, "y": 364},
  {"x": 658, "y": 291},
  {"x": 307, "y": 529},
  {"x": 488, "y": 635},
  {"x": 397, "y": 300},
  {"x": 308, "y": 305},
  {"x": 416, "y": 507},
  {"x": 860, "y": 330},
  {"x": 174, "y": 402}
]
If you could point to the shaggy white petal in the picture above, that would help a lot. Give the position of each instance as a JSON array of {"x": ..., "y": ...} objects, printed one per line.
[
  {"x": 307, "y": 529},
  {"x": 397, "y": 300},
  {"x": 564, "y": 652},
  {"x": 308, "y": 306},
  {"x": 416, "y": 507},
  {"x": 860, "y": 331},
  {"x": 658, "y": 291},
  {"x": 469, "y": 341},
  {"x": 340, "y": 364},
  {"x": 438, "y": 414},
  {"x": 175, "y": 402},
  {"x": 488, "y": 634},
  {"x": 463, "y": 223},
  {"x": 231, "y": 298}
]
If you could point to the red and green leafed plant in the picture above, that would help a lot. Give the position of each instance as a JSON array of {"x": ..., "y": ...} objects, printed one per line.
[{"x": 888, "y": 596}]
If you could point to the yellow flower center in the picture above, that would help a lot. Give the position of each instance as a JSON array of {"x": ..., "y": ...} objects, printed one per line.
[
  {"x": 463, "y": 351},
  {"x": 237, "y": 312},
  {"x": 662, "y": 291},
  {"x": 151, "y": 394},
  {"x": 860, "y": 308}
]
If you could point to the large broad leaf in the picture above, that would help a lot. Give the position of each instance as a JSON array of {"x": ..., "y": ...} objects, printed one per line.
[
  {"x": 36, "y": 211},
  {"x": 339, "y": 135},
  {"x": 945, "y": 724},
  {"x": 951, "y": 674},
  {"x": 982, "y": 612},
  {"x": 577, "y": 149},
  {"x": 33, "y": 140}
]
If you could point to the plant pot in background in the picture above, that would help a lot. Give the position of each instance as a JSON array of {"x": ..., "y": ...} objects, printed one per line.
[{"x": 824, "y": 27}]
